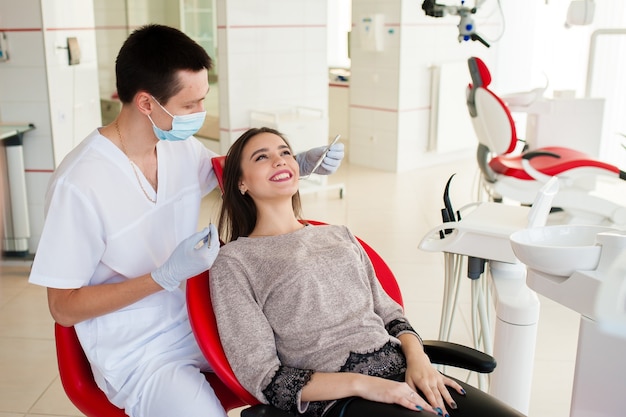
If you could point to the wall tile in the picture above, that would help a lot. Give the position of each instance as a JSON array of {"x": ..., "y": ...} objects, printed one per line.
[
  {"x": 25, "y": 49},
  {"x": 246, "y": 41},
  {"x": 284, "y": 40},
  {"x": 415, "y": 88},
  {"x": 108, "y": 12},
  {"x": 22, "y": 84},
  {"x": 413, "y": 126},
  {"x": 265, "y": 52},
  {"x": 27, "y": 15},
  {"x": 373, "y": 149},
  {"x": 61, "y": 115},
  {"x": 67, "y": 13}
]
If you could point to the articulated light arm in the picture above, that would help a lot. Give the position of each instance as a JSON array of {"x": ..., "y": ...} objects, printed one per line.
[{"x": 467, "y": 27}]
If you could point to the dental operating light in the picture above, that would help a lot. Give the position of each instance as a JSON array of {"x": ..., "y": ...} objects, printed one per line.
[{"x": 466, "y": 26}]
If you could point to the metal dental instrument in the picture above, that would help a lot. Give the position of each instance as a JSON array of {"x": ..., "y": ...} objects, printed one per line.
[
  {"x": 204, "y": 241},
  {"x": 319, "y": 161}
]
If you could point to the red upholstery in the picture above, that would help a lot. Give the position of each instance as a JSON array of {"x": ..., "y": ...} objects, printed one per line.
[
  {"x": 205, "y": 329},
  {"x": 218, "y": 167},
  {"x": 204, "y": 325},
  {"x": 485, "y": 75},
  {"x": 77, "y": 378},
  {"x": 510, "y": 165},
  {"x": 81, "y": 389}
]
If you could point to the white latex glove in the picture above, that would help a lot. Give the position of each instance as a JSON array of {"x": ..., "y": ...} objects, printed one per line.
[
  {"x": 331, "y": 162},
  {"x": 192, "y": 256}
]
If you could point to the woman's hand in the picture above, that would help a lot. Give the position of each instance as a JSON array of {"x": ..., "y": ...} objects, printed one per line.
[
  {"x": 392, "y": 392},
  {"x": 336, "y": 385},
  {"x": 421, "y": 375}
]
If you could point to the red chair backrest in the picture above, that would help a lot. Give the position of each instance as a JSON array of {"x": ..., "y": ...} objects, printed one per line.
[
  {"x": 80, "y": 386},
  {"x": 77, "y": 378}
]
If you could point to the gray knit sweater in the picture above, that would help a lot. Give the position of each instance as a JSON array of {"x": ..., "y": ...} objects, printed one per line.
[{"x": 307, "y": 301}]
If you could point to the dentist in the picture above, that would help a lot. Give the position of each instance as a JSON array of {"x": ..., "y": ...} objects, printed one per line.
[{"x": 120, "y": 231}]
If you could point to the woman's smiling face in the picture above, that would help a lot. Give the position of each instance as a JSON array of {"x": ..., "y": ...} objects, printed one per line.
[{"x": 269, "y": 168}]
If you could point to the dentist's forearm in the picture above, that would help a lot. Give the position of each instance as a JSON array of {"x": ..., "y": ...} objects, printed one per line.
[{"x": 71, "y": 306}]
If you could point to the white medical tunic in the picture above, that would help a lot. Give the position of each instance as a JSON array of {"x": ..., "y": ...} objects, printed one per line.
[{"x": 100, "y": 228}]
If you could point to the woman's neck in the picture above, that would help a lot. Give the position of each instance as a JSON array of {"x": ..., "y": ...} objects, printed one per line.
[{"x": 275, "y": 220}]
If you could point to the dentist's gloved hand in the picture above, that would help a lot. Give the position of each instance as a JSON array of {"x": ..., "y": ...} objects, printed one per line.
[
  {"x": 192, "y": 256},
  {"x": 331, "y": 162}
]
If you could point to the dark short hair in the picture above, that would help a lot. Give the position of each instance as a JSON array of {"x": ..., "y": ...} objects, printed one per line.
[
  {"x": 151, "y": 58},
  {"x": 238, "y": 213}
]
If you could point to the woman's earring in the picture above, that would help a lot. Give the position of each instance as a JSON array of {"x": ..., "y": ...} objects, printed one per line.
[{"x": 243, "y": 192}]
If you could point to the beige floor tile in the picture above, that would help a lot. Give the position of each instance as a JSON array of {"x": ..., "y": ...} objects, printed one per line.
[
  {"x": 14, "y": 280},
  {"x": 26, "y": 315},
  {"x": 55, "y": 402},
  {"x": 28, "y": 368}
]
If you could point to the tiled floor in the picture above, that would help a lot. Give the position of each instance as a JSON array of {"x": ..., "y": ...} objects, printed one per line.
[{"x": 392, "y": 212}]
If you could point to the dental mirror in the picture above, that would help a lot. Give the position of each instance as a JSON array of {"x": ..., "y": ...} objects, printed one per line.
[{"x": 319, "y": 161}]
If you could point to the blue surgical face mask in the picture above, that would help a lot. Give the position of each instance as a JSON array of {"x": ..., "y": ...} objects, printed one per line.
[{"x": 182, "y": 126}]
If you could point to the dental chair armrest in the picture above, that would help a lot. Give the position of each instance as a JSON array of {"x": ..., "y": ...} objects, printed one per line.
[{"x": 459, "y": 356}]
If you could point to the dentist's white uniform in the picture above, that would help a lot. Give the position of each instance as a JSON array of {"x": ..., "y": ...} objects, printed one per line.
[{"x": 100, "y": 228}]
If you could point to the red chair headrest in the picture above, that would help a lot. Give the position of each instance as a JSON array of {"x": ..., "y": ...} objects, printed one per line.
[{"x": 481, "y": 77}]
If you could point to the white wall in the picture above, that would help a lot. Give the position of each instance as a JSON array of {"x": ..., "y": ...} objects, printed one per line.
[
  {"x": 390, "y": 89},
  {"x": 115, "y": 20},
  {"x": 272, "y": 57},
  {"x": 536, "y": 38}
]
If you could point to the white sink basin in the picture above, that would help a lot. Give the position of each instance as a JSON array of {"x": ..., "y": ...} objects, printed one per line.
[{"x": 559, "y": 250}]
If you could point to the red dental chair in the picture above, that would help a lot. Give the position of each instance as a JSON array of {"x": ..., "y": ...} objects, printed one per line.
[
  {"x": 80, "y": 386},
  {"x": 518, "y": 176},
  {"x": 205, "y": 330}
]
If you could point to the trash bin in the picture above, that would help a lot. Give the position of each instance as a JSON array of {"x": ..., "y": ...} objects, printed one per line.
[{"x": 15, "y": 204}]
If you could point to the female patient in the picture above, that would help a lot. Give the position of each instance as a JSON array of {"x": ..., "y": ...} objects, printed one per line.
[{"x": 301, "y": 314}]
